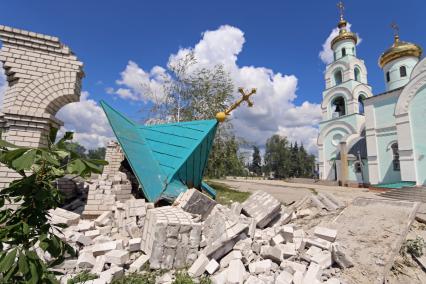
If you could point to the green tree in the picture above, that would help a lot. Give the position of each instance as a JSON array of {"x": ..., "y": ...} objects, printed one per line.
[
  {"x": 193, "y": 93},
  {"x": 76, "y": 148},
  {"x": 256, "y": 162},
  {"x": 98, "y": 153},
  {"x": 28, "y": 227},
  {"x": 277, "y": 156}
]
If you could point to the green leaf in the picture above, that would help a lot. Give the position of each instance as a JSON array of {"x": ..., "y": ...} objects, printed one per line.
[
  {"x": 8, "y": 261},
  {"x": 76, "y": 167},
  {"x": 5, "y": 144},
  {"x": 34, "y": 273},
  {"x": 49, "y": 158},
  {"x": 25, "y": 161},
  {"x": 23, "y": 264},
  {"x": 9, "y": 156},
  {"x": 61, "y": 153},
  {"x": 52, "y": 134}
]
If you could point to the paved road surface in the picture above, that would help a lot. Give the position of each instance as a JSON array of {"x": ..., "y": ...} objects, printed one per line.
[{"x": 288, "y": 192}]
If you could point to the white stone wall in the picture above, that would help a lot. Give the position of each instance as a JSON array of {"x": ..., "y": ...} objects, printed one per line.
[{"x": 43, "y": 76}]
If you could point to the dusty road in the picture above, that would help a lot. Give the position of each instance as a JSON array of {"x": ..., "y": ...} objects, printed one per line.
[{"x": 289, "y": 192}]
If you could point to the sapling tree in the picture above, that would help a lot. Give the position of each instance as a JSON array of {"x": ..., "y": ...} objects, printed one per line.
[{"x": 25, "y": 231}]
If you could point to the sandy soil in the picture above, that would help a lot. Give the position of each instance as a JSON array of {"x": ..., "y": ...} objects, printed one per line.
[{"x": 370, "y": 234}]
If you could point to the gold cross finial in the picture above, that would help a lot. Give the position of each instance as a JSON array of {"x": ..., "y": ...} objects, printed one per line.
[
  {"x": 221, "y": 116},
  {"x": 341, "y": 8},
  {"x": 395, "y": 28}
]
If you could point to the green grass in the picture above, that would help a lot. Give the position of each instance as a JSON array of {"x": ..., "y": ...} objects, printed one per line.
[
  {"x": 226, "y": 195},
  {"x": 82, "y": 277},
  {"x": 147, "y": 277}
]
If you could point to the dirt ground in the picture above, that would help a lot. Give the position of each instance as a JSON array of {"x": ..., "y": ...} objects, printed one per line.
[{"x": 372, "y": 253}]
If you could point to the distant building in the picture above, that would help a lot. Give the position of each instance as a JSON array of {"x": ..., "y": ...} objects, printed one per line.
[{"x": 373, "y": 139}]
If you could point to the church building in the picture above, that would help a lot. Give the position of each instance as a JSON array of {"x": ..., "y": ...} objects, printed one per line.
[{"x": 367, "y": 139}]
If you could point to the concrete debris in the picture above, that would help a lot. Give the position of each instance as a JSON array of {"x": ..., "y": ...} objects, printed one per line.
[
  {"x": 263, "y": 207},
  {"x": 256, "y": 242},
  {"x": 195, "y": 202}
]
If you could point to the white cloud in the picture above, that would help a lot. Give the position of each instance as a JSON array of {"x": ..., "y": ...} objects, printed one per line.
[
  {"x": 274, "y": 109},
  {"x": 137, "y": 82},
  {"x": 326, "y": 54},
  {"x": 88, "y": 121}
]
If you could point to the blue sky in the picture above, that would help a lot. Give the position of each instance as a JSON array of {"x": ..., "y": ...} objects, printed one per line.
[{"x": 281, "y": 36}]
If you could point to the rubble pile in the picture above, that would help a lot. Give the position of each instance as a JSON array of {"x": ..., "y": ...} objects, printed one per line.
[{"x": 257, "y": 241}]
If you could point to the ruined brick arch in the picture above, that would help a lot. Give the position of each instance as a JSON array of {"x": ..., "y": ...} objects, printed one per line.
[{"x": 48, "y": 94}]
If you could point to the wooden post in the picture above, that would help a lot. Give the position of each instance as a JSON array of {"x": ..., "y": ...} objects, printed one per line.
[{"x": 343, "y": 164}]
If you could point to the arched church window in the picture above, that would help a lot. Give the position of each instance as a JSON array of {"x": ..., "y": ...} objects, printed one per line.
[
  {"x": 338, "y": 77},
  {"x": 357, "y": 74},
  {"x": 403, "y": 71},
  {"x": 361, "y": 100},
  {"x": 387, "y": 76},
  {"x": 343, "y": 52},
  {"x": 338, "y": 107},
  {"x": 395, "y": 153}
]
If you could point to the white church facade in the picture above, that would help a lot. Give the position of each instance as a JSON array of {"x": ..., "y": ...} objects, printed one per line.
[{"x": 367, "y": 139}]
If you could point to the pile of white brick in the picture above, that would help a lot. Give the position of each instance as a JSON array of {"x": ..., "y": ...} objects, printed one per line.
[
  {"x": 105, "y": 191},
  {"x": 227, "y": 245}
]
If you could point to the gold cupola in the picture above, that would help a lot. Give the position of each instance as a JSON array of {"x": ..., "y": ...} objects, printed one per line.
[
  {"x": 399, "y": 49},
  {"x": 344, "y": 34}
]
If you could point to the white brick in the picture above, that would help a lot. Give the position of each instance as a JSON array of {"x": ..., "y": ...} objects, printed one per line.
[
  {"x": 212, "y": 266},
  {"x": 325, "y": 233},
  {"x": 199, "y": 266}
]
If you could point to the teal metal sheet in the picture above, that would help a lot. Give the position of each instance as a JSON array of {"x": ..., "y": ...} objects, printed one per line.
[{"x": 167, "y": 159}]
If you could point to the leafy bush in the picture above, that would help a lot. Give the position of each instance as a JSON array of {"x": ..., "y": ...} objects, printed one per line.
[
  {"x": 147, "y": 277},
  {"x": 82, "y": 277},
  {"x": 27, "y": 229},
  {"x": 182, "y": 277},
  {"x": 415, "y": 247}
]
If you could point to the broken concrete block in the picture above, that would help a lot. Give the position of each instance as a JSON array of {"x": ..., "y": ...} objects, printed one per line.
[
  {"x": 253, "y": 280},
  {"x": 86, "y": 260},
  {"x": 135, "y": 244},
  {"x": 195, "y": 202},
  {"x": 272, "y": 253},
  {"x": 236, "y": 272},
  {"x": 59, "y": 215},
  {"x": 235, "y": 254},
  {"x": 284, "y": 278},
  {"x": 263, "y": 207},
  {"x": 313, "y": 274},
  {"x": 298, "y": 277},
  {"x": 84, "y": 240},
  {"x": 261, "y": 266},
  {"x": 104, "y": 247},
  {"x": 322, "y": 258},
  {"x": 288, "y": 250},
  {"x": 278, "y": 239},
  {"x": 171, "y": 237},
  {"x": 199, "y": 266},
  {"x": 104, "y": 219},
  {"x": 318, "y": 243},
  {"x": 340, "y": 258},
  {"x": 139, "y": 263},
  {"x": 288, "y": 233},
  {"x": 303, "y": 213},
  {"x": 99, "y": 265},
  {"x": 85, "y": 225},
  {"x": 328, "y": 203},
  {"x": 219, "y": 278},
  {"x": 313, "y": 250},
  {"x": 117, "y": 257},
  {"x": 332, "y": 280},
  {"x": 325, "y": 233},
  {"x": 212, "y": 267},
  {"x": 92, "y": 233},
  {"x": 111, "y": 274},
  {"x": 236, "y": 208},
  {"x": 294, "y": 265}
]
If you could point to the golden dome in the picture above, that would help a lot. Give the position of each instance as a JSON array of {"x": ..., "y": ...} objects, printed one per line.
[
  {"x": 399, "y": 49},
  {"x": 343, "y": 33}
]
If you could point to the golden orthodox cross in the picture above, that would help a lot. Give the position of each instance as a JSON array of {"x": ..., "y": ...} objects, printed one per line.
[
  {"x": 245, "y": 98},
  {"x": 341, "y": 8},
  {"x": 395, "y": 28}
]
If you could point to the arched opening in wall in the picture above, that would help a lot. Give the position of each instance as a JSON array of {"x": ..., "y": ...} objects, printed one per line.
[
  {"x": 338, "y": 107},
  {"x": 361, "y": 99},
  {"x": 338, "y": 77},
  {"x": 387, "y": 76},
  {"x": 3, "y": 85},
  {"x": 402, "y": 71},
  {"x": 357, "y": 74},
  {"x": 343, "y": 52},
  {"x": 395, "y": 154}
]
